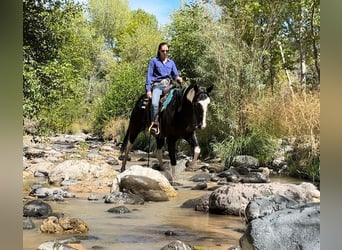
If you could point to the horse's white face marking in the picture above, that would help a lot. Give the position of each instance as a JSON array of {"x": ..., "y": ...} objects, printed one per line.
[
  {"x": 190, "y": 96},
  {"x": 204, "y": 103}
]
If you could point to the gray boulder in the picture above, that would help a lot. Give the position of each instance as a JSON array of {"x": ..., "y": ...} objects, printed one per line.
[
  {"x": 290, "y": 228},
  {"x": 261, "y": 206},
  {"x": 37, "y": 208},
  {"x": 233, "y": 199}
]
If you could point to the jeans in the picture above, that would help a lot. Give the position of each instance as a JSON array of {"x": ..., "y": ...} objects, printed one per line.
[{"x": 156, "y": 93}]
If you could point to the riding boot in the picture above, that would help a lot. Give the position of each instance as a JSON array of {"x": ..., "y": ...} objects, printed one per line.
[{"x": 154, "y": 128}]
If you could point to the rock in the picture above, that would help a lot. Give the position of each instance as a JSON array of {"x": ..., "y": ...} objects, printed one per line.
[
  {"x": 80, "y": 170},
  {"x": 119, "y": 210},
  {"x": 245, "y": 160},
  {"x": 64, "y": 225},
  {"x": 191, "y": 203},
  {"x": 179, "y": 245},
  {"x": 64, "y": 244},
  {"x": 28, "y": 223},
  {"x": 202, "y": 177},
  {"x": 232, "y": 199},
  {"x": 147, "y": 172},
  {"x": 123, "y": 198},
  {"x": 200, "y": 186},
  {"x": 37, "y": 208},
  {"x": 254, "y": 177},
  {"x": 290, "y": 228},
  {"x": 145, "y": 187},
  {"x": 92, "y": 197},
  {"x": 261, "y": 206},
  {"x": 202, "y": 204}
]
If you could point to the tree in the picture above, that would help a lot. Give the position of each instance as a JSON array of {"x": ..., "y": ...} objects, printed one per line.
[{"x": 59, "y": 48}]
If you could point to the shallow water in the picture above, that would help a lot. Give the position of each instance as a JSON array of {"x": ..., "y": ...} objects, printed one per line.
[{"x": 145, "y": 226}]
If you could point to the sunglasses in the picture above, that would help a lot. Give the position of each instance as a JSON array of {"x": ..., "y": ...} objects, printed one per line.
[{"x": 165, "y": 51}]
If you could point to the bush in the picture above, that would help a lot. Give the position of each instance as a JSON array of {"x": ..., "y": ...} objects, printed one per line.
[{"x": 258, "y": 145}]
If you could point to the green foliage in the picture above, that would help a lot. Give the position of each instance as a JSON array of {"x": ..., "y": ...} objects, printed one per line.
[
  {"x": 54, "y": 85},
  {"x": 304, "y": 160},
  {"x": 126, "y": 86},
  {"x": 256, "y": 144}
]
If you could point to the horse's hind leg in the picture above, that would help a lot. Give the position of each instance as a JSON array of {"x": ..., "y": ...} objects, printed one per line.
[
  {"x": 126, "y": 152},
  {"x": 171, "y": 144},
  {"x": 159, "y": 155},
  {"x": 193, "y": 142}
]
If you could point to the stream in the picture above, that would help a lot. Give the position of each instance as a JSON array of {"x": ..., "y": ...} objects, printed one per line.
[{"x": 146, "y": 226}]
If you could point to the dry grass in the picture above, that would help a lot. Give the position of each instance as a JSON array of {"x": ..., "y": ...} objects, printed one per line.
[
  {"x": 285, "y": 115},
  {"x": 115, "y": 129}
]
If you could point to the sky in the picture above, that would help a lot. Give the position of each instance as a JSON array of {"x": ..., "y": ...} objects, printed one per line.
[{"x": 160, "y": 8}]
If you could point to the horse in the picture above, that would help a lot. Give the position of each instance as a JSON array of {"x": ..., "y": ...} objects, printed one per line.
[{"x": 179, "y": 119}]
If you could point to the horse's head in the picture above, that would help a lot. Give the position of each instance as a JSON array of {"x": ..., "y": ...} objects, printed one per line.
[{"x": 200, "y": 99}]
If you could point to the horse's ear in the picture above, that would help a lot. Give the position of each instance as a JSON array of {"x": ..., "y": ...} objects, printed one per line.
[
  {"x": 209, "y": 89},
  {"x": 196, "y": 88}
]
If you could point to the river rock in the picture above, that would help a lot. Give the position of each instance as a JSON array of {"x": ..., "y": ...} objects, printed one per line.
[
  {"x": 245, "y": 160},
  {"x": 64, "y": 244},
  {"x": 143, "y": 186},
  {"x": 123, "y": 198},
  {"x": 177, "y": 244},
  {"x": 119, "y": 210},
  {"x": 232, "y": 199},
  {"x": 64, "y": 225},
  {"x": 202, "y": 204},
  {"x": 202, "y": 177},
  {"x": 290, "y": 228},
  {"x": 261, "y": 206},
  {"x": 28, "y": 223},
  {"x": 80, "y": 170},
  {"x": 37, "y": 208},
  {"x": 138, "y": 170}
]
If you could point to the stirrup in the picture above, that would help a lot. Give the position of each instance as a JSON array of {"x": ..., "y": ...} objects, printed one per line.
[{"x": 152, "y": 126}]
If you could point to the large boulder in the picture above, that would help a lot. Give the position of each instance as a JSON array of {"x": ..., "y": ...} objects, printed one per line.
[
  {"x": 232, "y": 199},
  {"x": 143, "y": 186},
  {"x": 37, "y": 208},
  {"x": 290, "y": 228},
  {"x": 80, "y": 170},
  {"x": 138, "y": 170}
]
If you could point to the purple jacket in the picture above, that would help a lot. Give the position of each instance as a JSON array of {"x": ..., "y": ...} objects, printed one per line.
[{"x": 158, "y": 71}]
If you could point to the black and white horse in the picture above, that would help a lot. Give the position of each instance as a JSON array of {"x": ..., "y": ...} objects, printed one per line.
[{"x": 186, "y": 112}]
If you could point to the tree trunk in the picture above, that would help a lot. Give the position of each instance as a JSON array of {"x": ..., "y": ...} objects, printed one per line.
[
  {"x": 286, "y": 70},
  {"x": 314, "y": 46}
]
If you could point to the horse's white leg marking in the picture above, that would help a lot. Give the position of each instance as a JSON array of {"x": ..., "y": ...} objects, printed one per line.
[
  {"x": 173, "y": 172},
  {"x": 204, "y": 103}
]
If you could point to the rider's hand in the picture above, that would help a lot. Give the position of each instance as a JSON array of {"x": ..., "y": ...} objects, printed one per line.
[
  {"x": 179, "y": 79},
  {"x": 149, "y": 94}
]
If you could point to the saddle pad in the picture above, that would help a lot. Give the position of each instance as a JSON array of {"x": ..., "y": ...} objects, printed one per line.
[{"x": 168, "y": 99}]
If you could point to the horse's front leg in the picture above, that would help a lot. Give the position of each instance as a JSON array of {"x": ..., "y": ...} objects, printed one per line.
[{"x": 193, "y": 142}]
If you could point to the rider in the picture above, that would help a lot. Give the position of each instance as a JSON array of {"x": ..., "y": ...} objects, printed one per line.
[{"x": 161, "y": 70}]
